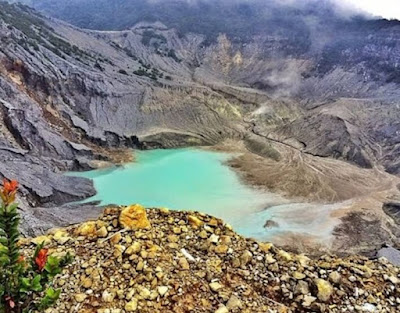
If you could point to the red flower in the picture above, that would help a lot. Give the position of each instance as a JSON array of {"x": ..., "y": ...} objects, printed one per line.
[
  {"x": 9, "y": 190},
  {"x": 10, "y": 186},
  {"x": 41, "y": 259}
]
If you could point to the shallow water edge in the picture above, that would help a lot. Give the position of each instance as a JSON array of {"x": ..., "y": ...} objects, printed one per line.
[{"x": 201, "y": 180}]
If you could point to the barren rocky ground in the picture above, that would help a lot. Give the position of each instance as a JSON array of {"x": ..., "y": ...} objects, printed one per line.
[{"x": 166, "y": 261}]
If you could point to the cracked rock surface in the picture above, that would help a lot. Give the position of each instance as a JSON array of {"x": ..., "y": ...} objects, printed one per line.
[{"x": 71, "y": 99}]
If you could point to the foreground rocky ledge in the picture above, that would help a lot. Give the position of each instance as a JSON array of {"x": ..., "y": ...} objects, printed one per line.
[{"x": 169, "y": 261}]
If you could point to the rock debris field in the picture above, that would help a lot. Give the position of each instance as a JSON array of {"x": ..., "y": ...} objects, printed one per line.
[{"x": 157, "y": 260}]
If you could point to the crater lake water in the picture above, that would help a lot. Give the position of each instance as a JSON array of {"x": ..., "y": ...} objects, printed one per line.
[{"x": 195, "y": 179}]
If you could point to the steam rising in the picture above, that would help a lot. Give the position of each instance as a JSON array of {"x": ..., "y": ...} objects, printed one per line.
[{"x": 389, "y": 9}]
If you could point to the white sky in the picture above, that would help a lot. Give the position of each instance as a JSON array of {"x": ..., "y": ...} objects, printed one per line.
[{"x": 389, "y": 9}]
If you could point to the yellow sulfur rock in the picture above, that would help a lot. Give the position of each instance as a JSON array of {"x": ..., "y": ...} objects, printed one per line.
[
  {"x": 153, "y": 248},
  {"x": 302, "y": 259},
  {"x": 108, "y": 296},
  {"x": 41, "y": 239},
  {"x": 87, "y": 229},
  {"x": 195, "y": 221},
  {"x": 222, "y": 309},
  {"x": 134, "y": 248},
  {"x": 87, "y": 283},
  {"x": 90, "y": 229},
  {"x": 134, "y": 217},
  {"x": 285, "y": 255},
  {"x": 265, "y": 246},
  {"x": 80, "y": 297},
  {"x": 116, "y": 238},
  {"x": 213, "y": 222},
  {"x": 298, "y": 275},
  {"x": 325, "y": 290},
  {"x": 164, "y": 211},
  {"x": 131, "y": 306},
  {"x": 61, "y": 236},
  {"x": 102, "y": 232},
  {"x": 119, "y": 250},
  {"x": 221, "y": 249}
]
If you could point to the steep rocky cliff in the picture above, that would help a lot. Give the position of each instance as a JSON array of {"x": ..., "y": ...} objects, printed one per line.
[
  {"x": 304, "y": 71},
  {"x": 70, "y": 97},
  {"x": 324, "y": 83},
  {"x": 69, "y": 100}
]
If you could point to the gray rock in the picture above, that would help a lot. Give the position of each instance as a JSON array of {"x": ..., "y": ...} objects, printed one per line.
[
  {"x": 271, "y": 224},
  {"x": 63, "y": 107},
  {"x": 302, "y": 288},
  {"x": 391, "y": 254}
]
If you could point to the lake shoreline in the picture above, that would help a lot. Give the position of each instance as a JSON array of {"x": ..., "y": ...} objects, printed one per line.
[
  {"x": 245, "y": 206},
  {"x": 360, "y": 194},
  {"x": 257, "y": 174}
]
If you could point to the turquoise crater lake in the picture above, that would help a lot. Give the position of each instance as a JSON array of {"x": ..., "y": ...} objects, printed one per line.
[{"x": 195, "y": 179}]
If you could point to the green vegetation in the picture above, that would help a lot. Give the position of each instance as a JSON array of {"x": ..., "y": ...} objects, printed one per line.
[
  {"x": 358, "y": 41},
  {"x": 148, "y": 35},
  {"x": 130, "y": 54},
  {"x": 25, "y": 283},
  {"x": 239, "y": 20},
  {"x": 35, "y": 32},
  {"x": 152, "y": 73},
  {"x": 172, "y": 54}
]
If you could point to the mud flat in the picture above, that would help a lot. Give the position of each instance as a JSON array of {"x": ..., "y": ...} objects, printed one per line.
[{"x": 354, "y": 195}]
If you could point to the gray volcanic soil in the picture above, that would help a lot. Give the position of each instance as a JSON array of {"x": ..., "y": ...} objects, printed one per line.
[{"x": 72, "y": 98}]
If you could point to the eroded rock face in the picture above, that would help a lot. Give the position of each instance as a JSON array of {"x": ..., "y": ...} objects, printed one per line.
[
  {"x": 62, "y": 107},
  {"x": 393, "y": 210},
  {"x": 69, "y": 97}
]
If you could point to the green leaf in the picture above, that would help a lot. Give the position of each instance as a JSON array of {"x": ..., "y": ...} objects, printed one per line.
[
  {"x": 52, "y": 266},
  {"x": 36, "y": 286},
  {"x": 67, "y": 259},
  {"x": 50, "y": 298},
  {"x": 53, "y": 261},
  {"x": 25, "y": 285},
  {"x": 4, "y": 260},
  {"x": 38, "y": 248},
  {"x": 3, "y": 249},
  {"x": 12, "y": 207}
]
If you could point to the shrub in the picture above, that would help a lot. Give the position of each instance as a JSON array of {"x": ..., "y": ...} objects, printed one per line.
[
  {"x": 148, "y": 35},
  {"x": 172, "y": 54},
  {"x": 25, "y": 283}
]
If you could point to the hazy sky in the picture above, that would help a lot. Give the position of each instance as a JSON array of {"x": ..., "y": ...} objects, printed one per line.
[{"x": 389, "y": 9}]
